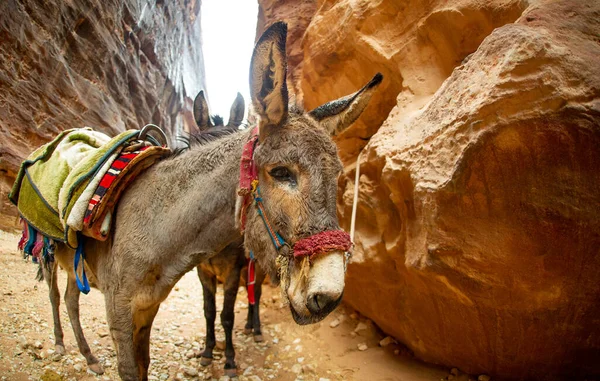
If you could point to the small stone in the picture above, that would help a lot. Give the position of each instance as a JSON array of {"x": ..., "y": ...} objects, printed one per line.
[
  {"x": 334, "y": 323},
  {"x": 192, "y": 372},
  {"x": 254, "y": 378},
  {"x": 300, "y": 359},
  {"x": 360, "y": 327},
  {"x": 386, "y": 341},
  {"x": 296, "y": 341},
  {"x": 309, "y": 368},
  {"x": 484, "y": 377},
  {"x": 324, "y": 379},
  {"x": 224, "y": 378},
  {"x": 179, "y": 376},
  {"x": 362, "y": 347},
  {"x": 163, "y": 376},
  {"x": 297, "y": 368},
  {"x": 102, "y": 333},
  {"x": 38, "y": 344},
  {"x": 190, "y": 354}
]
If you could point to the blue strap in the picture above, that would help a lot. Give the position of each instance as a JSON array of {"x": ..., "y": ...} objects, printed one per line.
[
  {"x": 79, "y": 255},
  {"x": 251, "y": 255},
  {"x": 278, "y": 242}
]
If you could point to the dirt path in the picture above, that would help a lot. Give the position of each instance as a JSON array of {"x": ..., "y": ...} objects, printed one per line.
[{"x": 290, "y": 352}]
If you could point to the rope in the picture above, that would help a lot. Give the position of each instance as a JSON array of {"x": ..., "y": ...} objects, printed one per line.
[{"x": 355, "y": 200}]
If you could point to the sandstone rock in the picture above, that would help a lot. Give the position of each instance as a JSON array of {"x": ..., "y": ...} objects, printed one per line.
[
  {"x": 115, "y": 66},
  {"x": 478, "y": 213},
  {"x": 362, "y": 347},
  {"x": 478, "y": 218}
]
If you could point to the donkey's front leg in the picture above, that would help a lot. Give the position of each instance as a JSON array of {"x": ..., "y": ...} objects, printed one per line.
[
  {"x": 120, "y": 322},
  {"x": 209, "y": 289},
  {"x": 72, "y": 302},
  {"x": 142, "y": 323},
  {"x": 227, "y": 319}
]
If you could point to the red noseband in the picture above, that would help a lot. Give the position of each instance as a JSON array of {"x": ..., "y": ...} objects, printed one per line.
[{"x": 324, "y": 242}]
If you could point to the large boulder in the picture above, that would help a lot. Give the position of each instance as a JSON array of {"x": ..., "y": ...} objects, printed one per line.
[
  {"x": 478, "y": 228},
  {"x": 479, "y": 215},
  {"x": 109, "y": 65}
]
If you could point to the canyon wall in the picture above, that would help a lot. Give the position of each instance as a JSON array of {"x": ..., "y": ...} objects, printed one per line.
[
  {"x": 478, "y": 229},
  {"x": 111, "y": 65}
]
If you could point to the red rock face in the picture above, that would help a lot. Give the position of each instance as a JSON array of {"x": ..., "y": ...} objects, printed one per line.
[
  {"x": 478, "y": 233},
  {"x": 108, "y": 65}
]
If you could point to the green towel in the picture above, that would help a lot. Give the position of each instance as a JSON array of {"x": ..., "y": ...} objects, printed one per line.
[{"x": 53, "y": 176}]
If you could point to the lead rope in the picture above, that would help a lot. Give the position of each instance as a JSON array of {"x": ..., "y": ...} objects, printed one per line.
[{"x": 354, "y": 206}]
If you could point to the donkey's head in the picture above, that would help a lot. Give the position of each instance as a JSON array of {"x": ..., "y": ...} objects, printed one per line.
[
  {"x": 298, "y": 168},
  {"x": 204, "y": 121}
]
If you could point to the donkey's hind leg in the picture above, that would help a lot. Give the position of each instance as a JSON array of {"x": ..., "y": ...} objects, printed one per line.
[
  {"x": 72, "y": 302},
  {"x": 209, "y": 289},
  {"x": 50, "y": 274}
]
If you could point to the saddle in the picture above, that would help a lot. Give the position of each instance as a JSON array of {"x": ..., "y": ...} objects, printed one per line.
[{"x": 69, "y": 187}]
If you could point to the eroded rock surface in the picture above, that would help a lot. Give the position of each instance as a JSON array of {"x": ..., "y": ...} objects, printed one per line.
[
  {"x": 478, "y": 229},
  {"x": 478, "y": 223},
  {"x": 108, "y": 65}
]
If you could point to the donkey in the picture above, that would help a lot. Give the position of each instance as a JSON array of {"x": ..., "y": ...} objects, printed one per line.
[
  {"x": 186, "y": 209},
  {"x": 226, "y": 266}
]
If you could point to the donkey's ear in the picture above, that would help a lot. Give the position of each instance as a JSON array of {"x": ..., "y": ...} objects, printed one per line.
[
  {"x": 336, "y": 115},
  {"x": 267, "y": 78},
  {"x": 236, "y": 114},
  {"x": 201, "y": 114}
]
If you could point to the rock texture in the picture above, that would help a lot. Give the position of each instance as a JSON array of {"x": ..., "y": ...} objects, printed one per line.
[
  {"x": 478, "y": 231},
  {"x": 111, "y": 65}
]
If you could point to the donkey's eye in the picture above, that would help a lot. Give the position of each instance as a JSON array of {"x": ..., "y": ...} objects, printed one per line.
[{"x": 283, "y": 174}]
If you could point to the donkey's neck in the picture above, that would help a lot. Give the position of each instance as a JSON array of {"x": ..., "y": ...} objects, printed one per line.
[{"x": 189, "y": 200}]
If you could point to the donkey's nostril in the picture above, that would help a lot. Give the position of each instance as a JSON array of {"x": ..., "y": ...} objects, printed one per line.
[{"x": 322, "y": 303}]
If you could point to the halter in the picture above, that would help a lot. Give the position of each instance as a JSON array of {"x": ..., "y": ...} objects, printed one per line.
[{"x": 309, "y": 247}]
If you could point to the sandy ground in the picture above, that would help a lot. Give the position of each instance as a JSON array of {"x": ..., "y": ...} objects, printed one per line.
[{"x": 289, "y": 352}]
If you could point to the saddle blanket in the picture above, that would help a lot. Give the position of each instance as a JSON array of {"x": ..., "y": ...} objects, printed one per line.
[{"x": 72, "y": 183}]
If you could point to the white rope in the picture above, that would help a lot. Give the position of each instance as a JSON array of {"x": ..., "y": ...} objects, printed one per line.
[{"x": 355, "y": 201}]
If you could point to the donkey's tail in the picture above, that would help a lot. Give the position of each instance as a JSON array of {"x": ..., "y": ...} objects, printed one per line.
[{"x": 40, "y": 274}]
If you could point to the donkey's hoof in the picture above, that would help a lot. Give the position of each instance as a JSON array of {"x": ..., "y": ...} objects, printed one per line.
[
  {"x": 247, "y": 331},
  {"x": 60, "y": 349},
  {"x": 258, "y": 338},
  {"x": 205, "y": 361},
  {"x": 96, "y": 368},
  {"x": 231, "y": 373}
]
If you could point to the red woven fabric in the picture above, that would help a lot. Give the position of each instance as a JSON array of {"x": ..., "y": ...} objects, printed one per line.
[
  {"x": 331, "y": 240},
  {"x": 251, "y": 281},
  {"x": 248, "y": 173}
]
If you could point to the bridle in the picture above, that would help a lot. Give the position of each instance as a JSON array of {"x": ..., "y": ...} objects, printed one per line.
[{"x": 309, "y": 247}]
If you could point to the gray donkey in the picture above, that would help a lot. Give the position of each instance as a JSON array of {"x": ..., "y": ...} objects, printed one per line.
[
  {"x": 228, "y": 265},
  {"x": 48, "y": 270},
  {"x": 182, "y": 211}
]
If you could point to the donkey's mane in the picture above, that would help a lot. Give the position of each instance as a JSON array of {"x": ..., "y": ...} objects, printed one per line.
[{"x": 200, "y": 138}]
